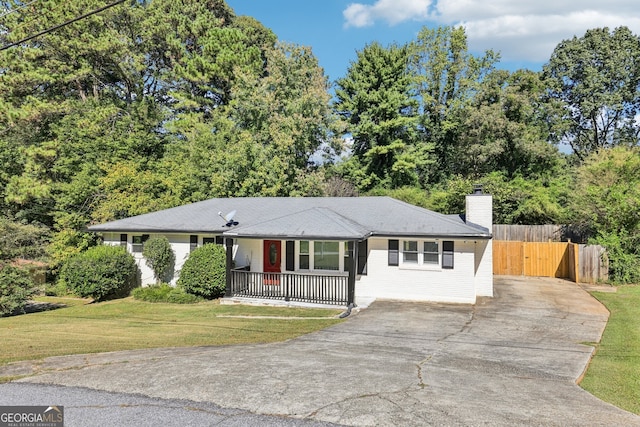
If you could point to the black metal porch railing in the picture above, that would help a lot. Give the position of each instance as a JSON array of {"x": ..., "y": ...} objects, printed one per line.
[{"x": 314, "y": 288}]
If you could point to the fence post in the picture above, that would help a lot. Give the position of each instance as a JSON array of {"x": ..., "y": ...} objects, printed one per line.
[
  {"x": 286, "y": 284},
  {"x": 576, "y": 261}
]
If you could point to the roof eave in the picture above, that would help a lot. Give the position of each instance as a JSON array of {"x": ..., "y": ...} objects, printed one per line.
[
  {"x": 292, "y": 236},
  {"x": 434, "y": 236}
]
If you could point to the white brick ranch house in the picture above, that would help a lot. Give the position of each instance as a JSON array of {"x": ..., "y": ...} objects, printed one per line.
[{"x": 335, "y": 250}]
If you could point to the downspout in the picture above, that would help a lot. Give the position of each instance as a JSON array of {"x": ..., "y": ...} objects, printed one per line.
[
  {"x": 348, "y": 312},
  {"x": 228, "y": 292}
]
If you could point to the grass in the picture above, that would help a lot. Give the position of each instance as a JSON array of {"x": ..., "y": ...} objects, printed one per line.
[
  {"x": 614, "y": 372},
  {"x": 129, "y": 324}
]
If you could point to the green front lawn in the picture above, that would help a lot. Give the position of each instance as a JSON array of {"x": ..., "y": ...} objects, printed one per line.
[
  {"x": 614, "y": 372},
  {"x": 128, "y": 324}
]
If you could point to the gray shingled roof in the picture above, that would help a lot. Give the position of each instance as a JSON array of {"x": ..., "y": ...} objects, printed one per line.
[{"x": 340, "y": 218}]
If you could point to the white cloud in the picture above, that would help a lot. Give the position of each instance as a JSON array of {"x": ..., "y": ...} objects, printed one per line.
[
  {"x": 521, "y": 30},
  {"x": 391, "y": 11}
]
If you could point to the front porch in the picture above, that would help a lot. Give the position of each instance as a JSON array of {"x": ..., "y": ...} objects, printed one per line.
[
  {"x": 330, "y": 289},
  {"x": 276, "y": 277}
]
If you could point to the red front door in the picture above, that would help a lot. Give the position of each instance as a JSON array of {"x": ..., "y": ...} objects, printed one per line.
[{"x": 272, "y": 257}]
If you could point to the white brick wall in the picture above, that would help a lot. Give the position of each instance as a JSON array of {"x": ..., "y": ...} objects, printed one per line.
[
  {"x": 469, "y": 277},
  {"x": 411, "y": 283},
  {"x": 479, "y": 211}
]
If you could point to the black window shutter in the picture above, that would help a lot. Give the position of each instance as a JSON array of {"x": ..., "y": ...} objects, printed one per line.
[
  {"x": 447, "y": 254},
  {"x": 394, "y": 245},
  {"x": 193, "y": 242},
  {"x": 145, "y": 237},
  {"x": 291, "y": 256},
  {"x": 362, "y": 257},
  {"x": 123, "y": 240}
]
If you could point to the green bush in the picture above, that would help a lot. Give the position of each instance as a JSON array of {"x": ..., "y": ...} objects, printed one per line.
[
  {"x": 624, "y": 257},
  {"x": 57, "y": 289},
  {"x": 159, "y": 257},
  {"x": 204, "y": 272},
  {"x": 16, "y": 287},
  {"x": 165, "y": 293},
  {"x": 102, "y": 272}
]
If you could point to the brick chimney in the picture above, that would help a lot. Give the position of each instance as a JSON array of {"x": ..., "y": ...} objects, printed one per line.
[
  {"x": 479, "y": 211},
  {"x": 479, "y": 208}
]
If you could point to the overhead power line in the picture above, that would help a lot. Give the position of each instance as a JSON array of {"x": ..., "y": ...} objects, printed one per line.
[
  {"x": 64, "y": 24},
  {"x": 17, "y": 8}
]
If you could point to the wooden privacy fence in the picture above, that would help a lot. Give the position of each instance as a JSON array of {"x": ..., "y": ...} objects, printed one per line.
[
  {"x": 528, "y": 233},
  {"x": 537, "y": 233},
  {"x": 580, "y": 263}
]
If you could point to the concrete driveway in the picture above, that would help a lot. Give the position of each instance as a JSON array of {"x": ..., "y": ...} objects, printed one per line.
[{"x": 510, "y": 360}]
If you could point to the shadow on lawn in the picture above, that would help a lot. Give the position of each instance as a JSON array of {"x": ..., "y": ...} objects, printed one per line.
[{"x": 38, "y": 306}]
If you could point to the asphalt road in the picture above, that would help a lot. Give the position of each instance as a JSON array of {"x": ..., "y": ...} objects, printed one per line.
[
  {"x": 85, "y": 408},
  {"x": 509, "y": 360}
]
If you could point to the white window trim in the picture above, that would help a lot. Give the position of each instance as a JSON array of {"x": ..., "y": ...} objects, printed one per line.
[
  {"x": 341, "y": 255},
  {"x": 420, "y": 265}
]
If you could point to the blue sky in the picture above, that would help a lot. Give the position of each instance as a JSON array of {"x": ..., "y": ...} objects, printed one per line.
[{"x": 525, "y": 32}]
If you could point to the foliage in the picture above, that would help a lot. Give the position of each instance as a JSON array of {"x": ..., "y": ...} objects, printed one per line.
[
  {"x": 446, "y": 77},
  {"x": 153, "y": 104},
  {"x": 57, "y": 289},
  {"x": 204, "y": 272},
  {"x": 527, "y": 201},
  {"x": 19, "y": 240},
  {"x": 101, "y": 272},
  {"x": 163, "y": 292},
  {"x": 449, "y": 197},
  {"x": 606, "y": 203},
  {"x": 135, "y": 109},
  {"x": 159, "y": 256},
  {"x": 595, "y": 80},
  {"x": 16, "y": 287},
  {"x": 613, "y": 372},
  {"x": 381, "y": 117},
  {"x": 504, "y": 129},
  {"x": 624, "y": 262},
  {"x": 412, "y": 195}
]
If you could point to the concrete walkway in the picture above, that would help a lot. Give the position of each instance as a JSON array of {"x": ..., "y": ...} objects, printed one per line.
[{"x": 509, "y": 360}]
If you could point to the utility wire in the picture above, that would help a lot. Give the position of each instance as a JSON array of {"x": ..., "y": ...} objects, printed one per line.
[
  {"x": 17, "y": 8},
  {"x": 64, "y": 24}
]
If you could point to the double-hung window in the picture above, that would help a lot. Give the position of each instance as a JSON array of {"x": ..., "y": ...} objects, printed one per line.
[
  {"x": 430, "y": 253},
  {"x": 304, "y": 255},
  {"x": 410, "y": 252},
  {"x": 423, "y": 253},
  {"x": 326, "y": 255}
]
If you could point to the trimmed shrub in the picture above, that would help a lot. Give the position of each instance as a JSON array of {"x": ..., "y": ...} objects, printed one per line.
[
  {"x": 165, "y": 293},
  {"x": 102, "y": 272},
  {"x": 159, "y": 257},
  {"x": 16, "y": 287},
  {"x": 57, "y": 289},
  {"x": 204, "y": 272}
]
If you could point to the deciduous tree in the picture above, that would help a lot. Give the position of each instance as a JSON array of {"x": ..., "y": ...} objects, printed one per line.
[
  {"x": 446, "y": 78},
  {"x": 595, "y": 79}
]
